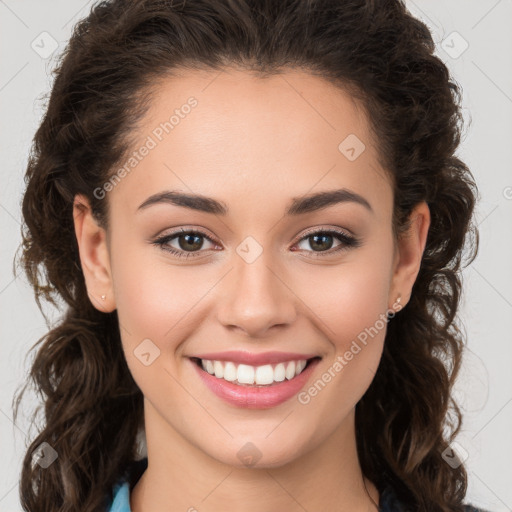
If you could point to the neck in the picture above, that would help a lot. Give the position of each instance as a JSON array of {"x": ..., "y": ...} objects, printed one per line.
[{"x": 180, "y": 476}]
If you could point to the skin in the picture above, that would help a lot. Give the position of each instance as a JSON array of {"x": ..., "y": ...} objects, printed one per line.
[{"x": 253, "y": 144}]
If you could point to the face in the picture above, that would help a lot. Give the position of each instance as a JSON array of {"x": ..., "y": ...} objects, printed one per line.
[{"x": 249, "y": 276}]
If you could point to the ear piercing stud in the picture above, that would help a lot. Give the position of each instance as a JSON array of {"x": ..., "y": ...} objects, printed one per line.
[
  {"x": 397, "y": 304},
  {"x": 396, "y": 307},
  {"x": 103, "y": 297}
]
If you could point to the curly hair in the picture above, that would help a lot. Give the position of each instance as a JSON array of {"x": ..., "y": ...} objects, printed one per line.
[{"x": 381, "y": 55}]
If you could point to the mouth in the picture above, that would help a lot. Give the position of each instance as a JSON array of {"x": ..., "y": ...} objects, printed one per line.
[{"x": 262, "y": 376}]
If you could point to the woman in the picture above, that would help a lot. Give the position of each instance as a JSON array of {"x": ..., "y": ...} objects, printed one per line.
[{"x": 255, "y": 216}]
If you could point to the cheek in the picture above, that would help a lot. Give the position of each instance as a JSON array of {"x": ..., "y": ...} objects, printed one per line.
[
  {"x": 352, "y": 310},
  {"x": 350, "y": 303},
  {"x": 157, "y": 301},
  {"x": 351, "y": 298},
  {"x": 151, "y": 298},
  {"x": 154, "y": 306},
  {"x": 358, "y": 308}
]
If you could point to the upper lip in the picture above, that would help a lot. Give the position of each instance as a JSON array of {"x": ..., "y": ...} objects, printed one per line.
[{"x": 253, "y": 359}]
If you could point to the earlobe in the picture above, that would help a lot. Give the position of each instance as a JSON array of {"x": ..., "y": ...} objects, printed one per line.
[
  {"x": 94, "y": 255},
  {"x": 410, "y": 248}
]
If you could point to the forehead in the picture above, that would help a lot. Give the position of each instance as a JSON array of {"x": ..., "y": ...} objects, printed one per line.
[
  {"x": 290, "y": 106},
  {"x": 231, "y": 132}
]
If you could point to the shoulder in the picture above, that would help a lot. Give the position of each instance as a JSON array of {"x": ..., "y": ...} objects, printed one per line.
[
  {"x": 122, "y": 488},
  {"x": 389, "y": 502},
  {"x": 121, "y": 502}
]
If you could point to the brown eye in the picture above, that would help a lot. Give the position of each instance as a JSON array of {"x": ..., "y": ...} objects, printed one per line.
[
  {"x": 191, "y": 241},
  {"x": 188, "y": 241},
  {"x": 322, "y": 241}
]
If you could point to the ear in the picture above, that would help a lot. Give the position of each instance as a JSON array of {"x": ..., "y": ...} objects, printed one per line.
[
  {"x": 94, "y": 255},
  {"x": 408, "y": 254}
]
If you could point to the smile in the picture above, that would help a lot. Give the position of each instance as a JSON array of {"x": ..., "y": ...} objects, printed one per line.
[
  {"x": 254, "y": 387},
  {"x": 243, "y": 374}
]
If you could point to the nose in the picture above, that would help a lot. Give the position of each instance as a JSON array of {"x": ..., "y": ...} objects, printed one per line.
[{"x": 256, "y": 298}]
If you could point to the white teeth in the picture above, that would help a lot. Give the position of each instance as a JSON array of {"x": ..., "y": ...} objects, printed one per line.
[
  {"x": 218, "y": 369},
  {"x": 259, "y": 375},
  {"x": 230, "y": 373},
  {"x": 264, "y": 374},
  {"x": 290, "y": 370},
  {"x": 245, "y": 374},
  {"x": 279, "y": 372}
]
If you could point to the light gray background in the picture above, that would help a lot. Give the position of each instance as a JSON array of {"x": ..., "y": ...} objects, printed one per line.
[{"x": 483, "y": 70}]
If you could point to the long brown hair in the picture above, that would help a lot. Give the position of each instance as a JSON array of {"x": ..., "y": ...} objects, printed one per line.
[{"x": 384, "y": 57}]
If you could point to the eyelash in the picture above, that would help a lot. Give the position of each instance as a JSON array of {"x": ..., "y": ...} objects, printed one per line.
[{"x": 348, "y": 242}]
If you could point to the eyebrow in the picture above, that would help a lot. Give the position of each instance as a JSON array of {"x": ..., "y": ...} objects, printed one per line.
[{"x": 298, "y": 205}]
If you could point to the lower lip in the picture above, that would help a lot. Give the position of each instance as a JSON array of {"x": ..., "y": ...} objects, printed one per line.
[{"x": 256, "y": 397}]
